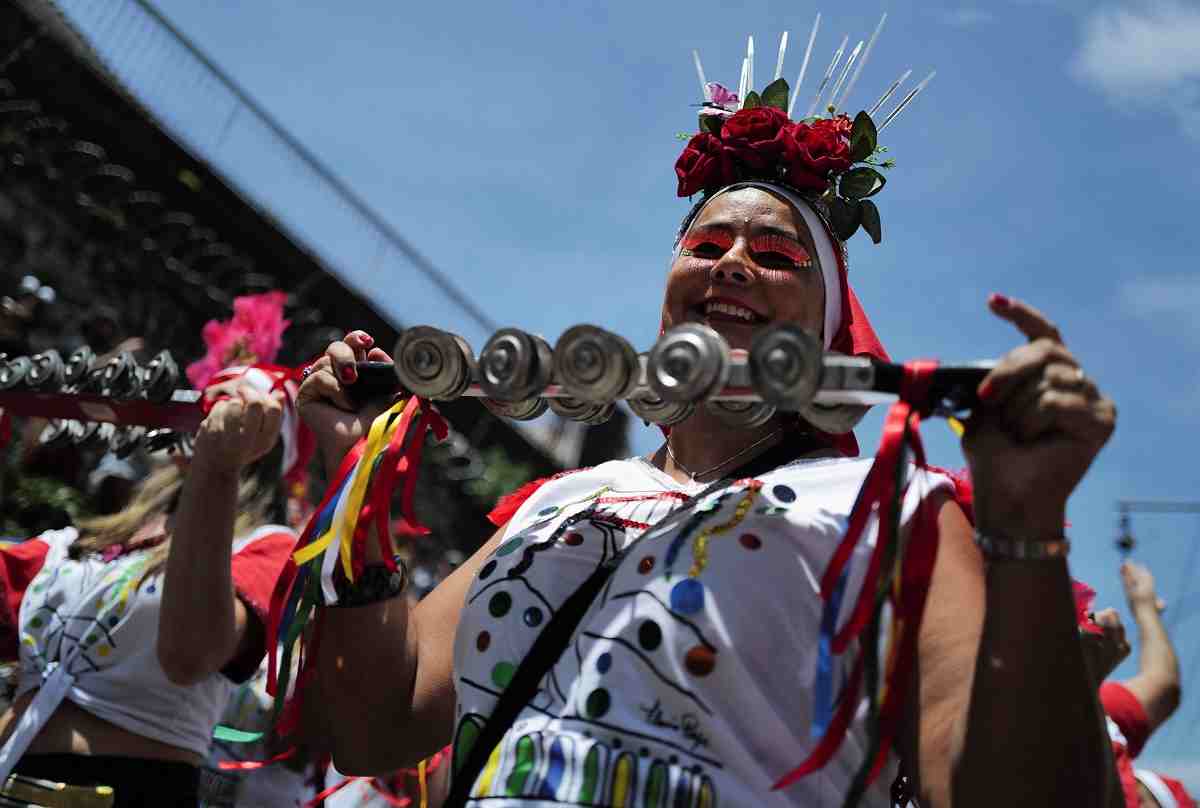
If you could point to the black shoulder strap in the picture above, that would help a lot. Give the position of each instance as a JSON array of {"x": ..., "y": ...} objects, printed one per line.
[{"x": 545, "y": 653}]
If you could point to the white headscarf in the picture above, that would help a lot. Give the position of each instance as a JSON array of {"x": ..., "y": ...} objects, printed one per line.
[{"x": 826, "y": 251}]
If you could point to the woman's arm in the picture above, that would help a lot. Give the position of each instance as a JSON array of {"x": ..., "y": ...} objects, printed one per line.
[
  {"x": 384, "y": 690},
  {"x": 1157, "y": 682},
  {"x": 1005, "y": 712},
  {"x": 203, "y": 625}
]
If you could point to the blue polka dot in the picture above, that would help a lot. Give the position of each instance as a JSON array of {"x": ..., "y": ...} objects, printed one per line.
[
  {"x": 532, "y": 617},
  {"x": 509, "y": 546},
  {"x": 783, "y": 493},
  {"x": 604, "y": 662},
  {"x": 151, "y": 589},
  {"x": 687, "y": 596}
]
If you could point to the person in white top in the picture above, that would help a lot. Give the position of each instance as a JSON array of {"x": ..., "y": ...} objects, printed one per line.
[
  {"x": 696, "y": 676},
  {"x": 134, "y": 629}
]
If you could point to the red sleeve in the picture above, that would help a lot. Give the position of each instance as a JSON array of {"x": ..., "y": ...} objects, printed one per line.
[
  {"x": 257, "y": 566},
  {"x": 255, "y": 569},
  {"x": 19, "y": 564},
  {"x": 1128, "y": 714}
]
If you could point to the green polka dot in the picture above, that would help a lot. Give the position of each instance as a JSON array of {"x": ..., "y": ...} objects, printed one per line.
[
  {"x": 509, "y": 546},
  {"x": 500, "y": 603},
  {"x": 502, "y": 673},
  {"x": 598, "y": 702},
  {"x": 36, "y": 622}
]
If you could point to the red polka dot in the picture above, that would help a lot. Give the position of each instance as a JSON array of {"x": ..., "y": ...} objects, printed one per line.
[
  {"x": 483, "y": 641},
  {"x": 646, "y": 564},
  {"x": 573, "y": 539},
  {"x": 700, "y": 660},
  {"x": 750, "y": 541}
]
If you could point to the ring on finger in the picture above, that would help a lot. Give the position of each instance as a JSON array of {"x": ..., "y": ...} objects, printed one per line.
[{"x": 308, "y": 371}]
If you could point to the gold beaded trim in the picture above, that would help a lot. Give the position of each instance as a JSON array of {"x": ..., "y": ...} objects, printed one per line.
[{"x": 700, "y": 545}]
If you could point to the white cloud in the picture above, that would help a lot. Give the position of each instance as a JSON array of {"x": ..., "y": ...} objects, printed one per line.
[
  {"x": 967, "y": 17},
  {"x": 1144, "y": 54}
]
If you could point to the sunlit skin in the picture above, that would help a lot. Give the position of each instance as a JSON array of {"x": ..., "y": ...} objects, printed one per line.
[{"x": 751, "y": 249}]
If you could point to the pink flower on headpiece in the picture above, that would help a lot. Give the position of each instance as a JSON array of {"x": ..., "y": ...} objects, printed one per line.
[
  {"x": 721, "y": 96},
  {"x": 253, "y": 336}
]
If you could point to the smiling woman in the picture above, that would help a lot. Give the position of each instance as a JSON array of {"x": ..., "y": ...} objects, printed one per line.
[{"x": 718, "y": 629}]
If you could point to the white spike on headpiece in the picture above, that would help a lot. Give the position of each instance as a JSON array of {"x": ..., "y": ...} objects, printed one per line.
[
  {"x": 845, "y": 72},
  {"x": 895, "y": 86},
  {"x": 841, "y": 102},
  {"x": 804, "y": 65},
  {"x": 837, "y": 57},
  {"x": 750, "y": 64},
  {"x": 742, "y": 83},
  {"x": 907, "y": 100},
  {"x": 779, "y": 59},
  {"x": 700, "y": 74}
]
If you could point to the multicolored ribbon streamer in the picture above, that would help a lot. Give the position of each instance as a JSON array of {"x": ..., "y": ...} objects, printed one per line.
[
  {"x": 898, "y": 572},
  {"x": 333, "y": 545}
]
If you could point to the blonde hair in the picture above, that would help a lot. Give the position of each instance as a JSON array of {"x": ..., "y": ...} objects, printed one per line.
[{"x": 157, "y": 496}]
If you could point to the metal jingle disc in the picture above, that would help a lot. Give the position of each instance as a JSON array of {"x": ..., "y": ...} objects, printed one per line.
[
  {"x": 688, "y": 363},
  {"x": 432, "y": 363},
  {"x": 664, "y": 413},
  {"x": 78, "y": 364},
  {"x": 55, "y": 434},
  {"x": 160, "y": 377},
  {"x": 126, "y": 440},
  {"x": 120, "y": 376},
  {"x": 83, "y": 432},
  {"x": 514, "y": 365},
  {"x": 785, "y": 365},
  {"x": 595, "y": 365},
  {"x": 104, "y": 435},
  {"x": 583, "y": 411},
  {"x": 14, "y": 371},
  {"x": 525, "y": 410},
  {"x": 46, "y": 371},
  {"x": 742, "y": 414}
]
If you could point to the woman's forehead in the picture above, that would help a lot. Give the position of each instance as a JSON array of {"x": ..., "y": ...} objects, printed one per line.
[{"x": 753, "y": 209}]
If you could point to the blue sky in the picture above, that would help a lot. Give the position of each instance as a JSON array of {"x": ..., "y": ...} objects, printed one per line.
[{"x": 527, "y": 149}]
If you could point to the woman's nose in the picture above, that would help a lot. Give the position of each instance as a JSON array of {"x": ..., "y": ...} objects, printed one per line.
[{"x": 734, "y": 267}]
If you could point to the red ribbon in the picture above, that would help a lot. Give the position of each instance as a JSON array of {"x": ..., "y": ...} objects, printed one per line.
[
  {"x": 251, "y": 765},
  {"x": 878, "y": 492}
]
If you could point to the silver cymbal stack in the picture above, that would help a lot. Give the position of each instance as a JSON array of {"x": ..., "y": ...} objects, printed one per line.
[{"x": 519, "y": 375}]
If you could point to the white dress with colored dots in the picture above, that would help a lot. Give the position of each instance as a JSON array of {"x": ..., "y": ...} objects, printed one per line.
[{"x": 690, "y": 681}]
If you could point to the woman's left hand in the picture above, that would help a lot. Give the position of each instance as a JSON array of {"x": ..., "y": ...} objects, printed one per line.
[
  {"x": 1039, "y": 426},
  {"x": 241, "y": 427}
]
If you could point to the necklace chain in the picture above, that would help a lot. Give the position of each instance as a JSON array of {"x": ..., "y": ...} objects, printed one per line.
[{"x": 696, "y": 474}]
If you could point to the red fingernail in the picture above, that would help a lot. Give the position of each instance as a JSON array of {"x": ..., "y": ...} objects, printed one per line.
[
  {"x": 349, "y": 373},
  {"x": 986, "y": 390},
  {"x": 368, "y": 340},
  {"x": 1000, "y": 301}
]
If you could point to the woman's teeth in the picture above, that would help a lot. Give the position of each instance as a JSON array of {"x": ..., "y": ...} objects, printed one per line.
[{"x": 732, "y": 311}]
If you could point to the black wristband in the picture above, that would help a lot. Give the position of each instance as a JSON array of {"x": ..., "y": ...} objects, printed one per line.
[{"x": 376, "y": 583}]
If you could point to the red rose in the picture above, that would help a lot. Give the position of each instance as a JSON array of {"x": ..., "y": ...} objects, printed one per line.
[
  {"x": 822, "y": 149},
  {"x": 705, "y": 163},
  {"x": 759, "y": 123}
]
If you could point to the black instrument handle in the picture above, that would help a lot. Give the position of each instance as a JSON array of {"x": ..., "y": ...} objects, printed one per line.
[{"x": 376, "y": 382}]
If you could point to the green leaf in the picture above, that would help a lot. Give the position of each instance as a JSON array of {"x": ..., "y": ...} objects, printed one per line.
[
  {"x": 776, "y": 94},
  {"x": 864, "y": 138},
  {"x": 870, "y": 220},
  {"x": 859, "y": 183},
  {"x": 711, "y": 123},
  {"x": 752, "y": 101},
  {"x": 845, "y": 216}
]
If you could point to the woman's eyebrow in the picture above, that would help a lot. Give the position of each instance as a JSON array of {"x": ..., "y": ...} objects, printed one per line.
[{"x": 768, "y": 230}]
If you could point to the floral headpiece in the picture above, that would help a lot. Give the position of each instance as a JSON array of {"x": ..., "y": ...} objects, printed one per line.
[
  {"x": 253, "y": 336},
  {"x": 829, "y": 159}
]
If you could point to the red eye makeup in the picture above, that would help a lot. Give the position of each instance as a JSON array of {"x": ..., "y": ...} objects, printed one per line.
[
  {"x": 704, "y": 240},
  {"x": 792, "y": 250}
]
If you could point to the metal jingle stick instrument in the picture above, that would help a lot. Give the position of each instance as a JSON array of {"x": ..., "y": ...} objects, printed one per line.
[{"x": 517, "y": 375}]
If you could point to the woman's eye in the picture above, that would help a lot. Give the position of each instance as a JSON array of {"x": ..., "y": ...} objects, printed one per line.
[
  {"x": 707, "y": 249},
  {"x": 774, "y": 260}
]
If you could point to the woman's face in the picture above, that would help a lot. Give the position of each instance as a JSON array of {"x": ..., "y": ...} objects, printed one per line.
[{"x": 747, "y": 260}]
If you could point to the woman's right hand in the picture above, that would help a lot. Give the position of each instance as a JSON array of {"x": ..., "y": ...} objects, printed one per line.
[{"x": 322, "y": 400}]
